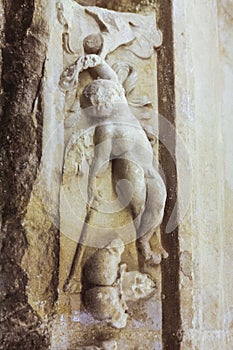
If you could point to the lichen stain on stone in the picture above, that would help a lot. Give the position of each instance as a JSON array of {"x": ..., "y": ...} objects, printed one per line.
[
  {"x": 41, "y": 238},
  {"x": 186, "y": 264}
]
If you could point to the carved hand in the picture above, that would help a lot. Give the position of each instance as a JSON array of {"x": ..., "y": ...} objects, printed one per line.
[
  {"x": 69, "y": 77},
  {"x": 90, "y": 61}
]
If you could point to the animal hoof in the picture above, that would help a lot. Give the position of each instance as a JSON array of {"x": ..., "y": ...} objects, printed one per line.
[{"x": 153, "y": 258}]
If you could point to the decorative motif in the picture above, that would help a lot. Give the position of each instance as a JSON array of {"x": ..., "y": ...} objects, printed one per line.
[
  {"x": 147, "y": 38},
  {"x": 84, "y": 150},
  {"x": 140, "y": 39},
  {"x": 128, "y": 78},
  {"x": 65, "y": 34},
  {"x": 130, "y": 30}
]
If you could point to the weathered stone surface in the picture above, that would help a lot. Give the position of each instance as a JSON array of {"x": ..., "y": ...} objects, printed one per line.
[
  {"x": 108, "y": 219},
  {"x": 25, "y": 35},
  {"x": 39, "y": 40},
  {"x": 33, "y": 110},
  {"x": 203, "y": 35},
  {"x": 122, "y": 5}
]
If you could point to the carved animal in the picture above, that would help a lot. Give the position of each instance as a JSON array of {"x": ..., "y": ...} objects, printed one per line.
[{"x": 135, "y": 285}]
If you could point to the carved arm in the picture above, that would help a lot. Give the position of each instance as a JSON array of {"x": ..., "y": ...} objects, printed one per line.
[{"x": 98, "y": 68}]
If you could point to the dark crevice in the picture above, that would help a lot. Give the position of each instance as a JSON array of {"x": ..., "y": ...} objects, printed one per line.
[
  {"x": 52, "y": 289},
  {"x": 172, "y": 327},
  {"x": 38, "y": 108}
]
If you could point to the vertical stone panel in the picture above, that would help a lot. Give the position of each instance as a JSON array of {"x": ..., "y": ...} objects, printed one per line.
[
  {"x": 34, "y": 170},
  {"x": 35, "y": 258},
  {"x": 202, "y": 115},
  {"x": 225, "y": 24},
  {"x": 25, "y": 36},
  {"x": 72, "y": 318}
]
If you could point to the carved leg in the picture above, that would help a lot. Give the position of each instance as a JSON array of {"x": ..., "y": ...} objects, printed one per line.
[
  {"x": 158, "y": 253},
  {"x": 151, "y": 219},
  {"x": 101, "y": 156},
  {"x": 98, "y": 166},
  {"x": 147, "y": 211},
  {"x": 70, "y": 283},
  {"x": 123, "y": 169}
]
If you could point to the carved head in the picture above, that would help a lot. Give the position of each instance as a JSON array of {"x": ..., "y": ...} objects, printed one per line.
[
  {"x": 103, "y": 94},
  {"x": 93, "y": 44},
  {"x": 135, "y": 285}
]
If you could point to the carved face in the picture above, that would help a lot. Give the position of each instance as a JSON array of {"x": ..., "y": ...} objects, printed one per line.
[
  {"x": 135, "y": 285},
  {"x": 142, "y": 286}
]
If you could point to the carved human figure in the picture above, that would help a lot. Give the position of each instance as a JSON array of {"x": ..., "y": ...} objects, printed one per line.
[{"x": 120, "y": 139}]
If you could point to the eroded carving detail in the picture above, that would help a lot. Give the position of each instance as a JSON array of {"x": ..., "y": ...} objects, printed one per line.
[
  {"x": 134, "y": 29},
  {"x": 113, "y": 285},
  {"x": 102, "y": 268},
  {"x": 123, "y": 141},
  {"x": 131, "y": 30},
  {"x": 65, "y": 35}
]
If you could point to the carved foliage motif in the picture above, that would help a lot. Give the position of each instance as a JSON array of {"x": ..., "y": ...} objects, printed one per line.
[{"x": 118, "y": 30}]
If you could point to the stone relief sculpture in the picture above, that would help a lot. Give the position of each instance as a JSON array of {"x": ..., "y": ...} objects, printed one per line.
[
  {"x": 121, "y": 141},
  {"x": 117, "y": 140}
]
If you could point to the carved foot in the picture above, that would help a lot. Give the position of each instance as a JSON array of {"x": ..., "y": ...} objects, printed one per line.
[{"x": 152, "y": 257}]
